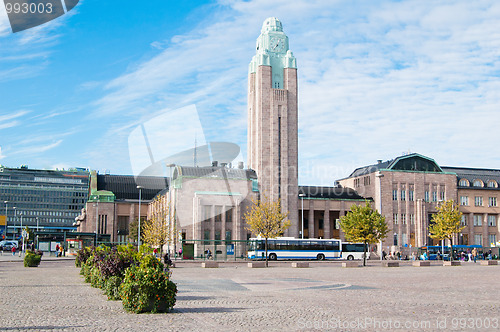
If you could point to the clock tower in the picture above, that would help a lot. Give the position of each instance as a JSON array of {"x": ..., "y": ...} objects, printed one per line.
[{"x": 273, "y": 118}]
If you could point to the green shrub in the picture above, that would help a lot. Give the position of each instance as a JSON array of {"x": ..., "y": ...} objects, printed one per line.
[
  {"x": 147, "y": 288},
  {"x": 112, "y": 288},
  {"x": 31, "y": 259}
]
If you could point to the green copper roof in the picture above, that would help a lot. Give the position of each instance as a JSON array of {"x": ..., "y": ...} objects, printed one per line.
[{"x": 272, "y": 49}]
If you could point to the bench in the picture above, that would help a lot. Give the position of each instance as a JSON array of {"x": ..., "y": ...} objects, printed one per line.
[
  {"x": 452, "y": 263},
  {"x": 350, "y": 264},
  {"x": 421, "y": 263},
  {"x": 209, "y": 264},
  {"x": 489, "y": 262},
  {"x": 390, "y": 263}
]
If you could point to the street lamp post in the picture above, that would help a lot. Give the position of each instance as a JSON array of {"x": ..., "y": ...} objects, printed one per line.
[
  {"x": 6, "y": 218},
  {"x": 302, "y": 197},
  {"x": 96, "y": 218},
  {"x": 171, "y": 209},
  {"x": 139, "y": 225},
  {"x": 15, "y": 217},
  {"x": 22, "y": 235},
  {"x": 36, "y": 233}
]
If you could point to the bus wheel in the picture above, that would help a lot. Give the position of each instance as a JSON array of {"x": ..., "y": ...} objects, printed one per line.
[
  {"x": 320, "y": 257},
  {"x": 273, "y": 257},
  {"x": 350, "y": 258}
]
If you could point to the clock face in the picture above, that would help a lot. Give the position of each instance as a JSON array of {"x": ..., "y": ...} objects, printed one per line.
[{"x": 277, "y": 44}]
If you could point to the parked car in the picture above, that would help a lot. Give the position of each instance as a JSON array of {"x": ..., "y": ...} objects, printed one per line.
[{"x": 7, "y": 245}]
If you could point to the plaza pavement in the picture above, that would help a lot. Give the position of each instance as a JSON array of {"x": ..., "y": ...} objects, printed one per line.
[{"x": 233, "y": 297}]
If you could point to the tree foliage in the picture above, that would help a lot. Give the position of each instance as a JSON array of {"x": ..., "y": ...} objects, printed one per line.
[
  {"x": 363, "y": 224},
  {"x": 160, "y": 228},
  {"x": 133, "y": 228},
  {"x": 446, "y": 223},
  {"x": 266, "y": 219}
]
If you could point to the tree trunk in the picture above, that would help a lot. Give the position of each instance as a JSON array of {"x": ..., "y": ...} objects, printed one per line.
[
  {"x": 364, "y": 254},
  {"x": 266, "y": 253},
  {"x": 451, "y": 249}
]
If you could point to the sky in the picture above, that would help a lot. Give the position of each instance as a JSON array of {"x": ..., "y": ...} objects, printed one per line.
[{"x": 377, "y": 79}]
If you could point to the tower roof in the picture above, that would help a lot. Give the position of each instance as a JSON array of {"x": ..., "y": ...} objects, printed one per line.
[{"x": 271, "y": 24}]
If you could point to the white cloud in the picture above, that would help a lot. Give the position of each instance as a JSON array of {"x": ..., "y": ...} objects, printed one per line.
[{"x": 376, "y": 79}]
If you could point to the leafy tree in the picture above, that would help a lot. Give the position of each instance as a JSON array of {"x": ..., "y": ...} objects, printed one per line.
[
  {"x": 133, "y": 228},
  {"x": 446, "y": 223},
  {"x": 363, "y": 224},
  {"x": 160, "y": 229},
  {"x": 265, "y": 218}
]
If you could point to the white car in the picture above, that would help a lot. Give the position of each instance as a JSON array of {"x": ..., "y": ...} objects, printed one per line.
[{"x": 7, "y": 245}]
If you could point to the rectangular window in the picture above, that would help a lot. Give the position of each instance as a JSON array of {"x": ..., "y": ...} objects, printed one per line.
[
  {"x": 228, "y": 236},
  {"x": 492, "y": 201},
  {"x": 395, "y": 239},
  {"x": 492, "y": 220},
  {"x": 412, "y": 219},
  {"x": 434, "y": 196},
  {"x": 403, "y": 219},
  {"x": 217, "y": 236},
  {"x": 478, "y": 201},
  {"x": 463, "y": 222},
  {"x": 478, "y": 239},
  {"x": 478, "y": 220},
  {"x": 403, "y": 195},
  {"x": 404, "y": 239},
  {"x": 218, "y": 213},
  {"x": 395, "y": 216},
  {"x": 207, "y": 212},
  {"x": 441, "y": 196},
  {"x": 492, "y": 239},
  {"x": 206, "y": 235},
  {"x": 426, "y": 198},
  {"x": 394, "y": 194},
  {"x": 464, "y": 200},
  {"x": 229, "y": 216},
  {"x": 411, "y": 194},
  {"x": 255, "y": 185}
]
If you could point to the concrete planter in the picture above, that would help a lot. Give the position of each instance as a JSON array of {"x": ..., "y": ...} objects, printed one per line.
[
  {"x": 300, "y": 264},
  {"x": 421, "y": 263},
  {"x": 390, "y": 263},
  {"x": 453, "y": 263},
  {"x": 489, "y": 262},
  {"x": 209, "y": 264},
  {"x": 350, "y": 264}
]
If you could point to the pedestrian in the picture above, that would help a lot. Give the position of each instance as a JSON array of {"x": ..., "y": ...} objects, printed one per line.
[
  {"x": 399, "y": 255},
  {"x": 155, "y": 252},
  {"x": 61, "y": 251},
  {"x": 489, "y": 254},
  {"x": 474, "y": 254},
  {"x": 469, "y": 255},
  {"x": 166, "y": 259},
  {"x": 384, "y": 254},
  {"x": 180, "y": 253},
  {"x": 13, "y": 250},
  {"x": 57, "y": 250}
]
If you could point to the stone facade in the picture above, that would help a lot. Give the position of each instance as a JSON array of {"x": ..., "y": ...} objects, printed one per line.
[{"x": 273, "y": 119}]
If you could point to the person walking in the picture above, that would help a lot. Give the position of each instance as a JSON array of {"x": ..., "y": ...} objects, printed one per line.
[
  {"x": 13, "y": 250},
  {"x": 474, "y": 254}
]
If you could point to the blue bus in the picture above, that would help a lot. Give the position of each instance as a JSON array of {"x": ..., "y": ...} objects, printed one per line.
[
  {"x": 290, "y": 248},
  {"x": 432, "y": 251}
]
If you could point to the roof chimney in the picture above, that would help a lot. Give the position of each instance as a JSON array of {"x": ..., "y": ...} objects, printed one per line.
[
  {"x": 379, "y": 161},
  {"x": 214, "y": 163}
]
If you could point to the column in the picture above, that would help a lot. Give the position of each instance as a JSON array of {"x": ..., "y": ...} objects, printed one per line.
[
  {"x": 485, "y": 230},
  {"x": 326, "y": 221},
  {"x": 311, "y": 220}
]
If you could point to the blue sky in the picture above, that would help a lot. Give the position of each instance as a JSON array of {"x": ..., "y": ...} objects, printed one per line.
[{"x": 376, "y": 79}]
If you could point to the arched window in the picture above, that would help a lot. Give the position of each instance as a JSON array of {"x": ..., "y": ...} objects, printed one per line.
[
  {"x": 492, "y": 184},
  {"x": 463, "y": 183},
  {"x": 478, "y": 183}
]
